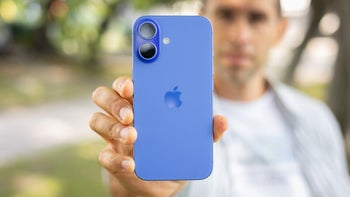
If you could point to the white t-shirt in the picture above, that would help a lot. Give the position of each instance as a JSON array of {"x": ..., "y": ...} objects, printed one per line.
[{"x": 255, "y": 157}]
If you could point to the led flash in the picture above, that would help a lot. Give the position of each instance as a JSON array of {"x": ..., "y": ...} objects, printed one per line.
[{"x": 166, "y": 40}]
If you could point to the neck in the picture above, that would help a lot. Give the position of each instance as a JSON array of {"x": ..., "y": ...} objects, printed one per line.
[{"x": 247, "y": 91}]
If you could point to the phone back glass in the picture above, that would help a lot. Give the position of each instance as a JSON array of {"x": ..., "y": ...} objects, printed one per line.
[{"x": 173, "y": 100}]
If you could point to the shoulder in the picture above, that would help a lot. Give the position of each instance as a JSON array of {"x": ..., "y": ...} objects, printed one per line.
[
  {"x": 288, "y": 92},
  {"x": 317, "y": 123},
  {"x": 312, "y": 115},
  {"x": 308, "y": 112},
  {"x": 300, "y": 103}
]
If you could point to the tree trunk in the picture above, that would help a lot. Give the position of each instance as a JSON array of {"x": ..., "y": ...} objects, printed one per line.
[
  {"x": 41, "y": 43},
  {"x": 90, "y": 63},
  {"x": 319, "y": 8},
  {"x": 339, "y": 92}
]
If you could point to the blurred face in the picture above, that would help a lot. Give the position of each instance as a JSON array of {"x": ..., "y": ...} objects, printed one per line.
[{"x": 244, "y": 32}]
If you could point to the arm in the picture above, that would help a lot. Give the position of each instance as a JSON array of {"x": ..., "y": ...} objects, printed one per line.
[{"x": 115, "y": 127}]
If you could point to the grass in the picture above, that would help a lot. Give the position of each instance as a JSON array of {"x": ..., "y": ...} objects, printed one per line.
[
  {"x": 318, "y": 91},
  {"x": 71, "y": 170}
]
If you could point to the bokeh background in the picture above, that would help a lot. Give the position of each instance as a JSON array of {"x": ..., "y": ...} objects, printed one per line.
[{"x": 54, "y": 53}]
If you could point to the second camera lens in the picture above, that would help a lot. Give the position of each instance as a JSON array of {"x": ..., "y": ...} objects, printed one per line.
[
  {"x": 148, "y": 51},
  {"x": 147, "y": 30}
]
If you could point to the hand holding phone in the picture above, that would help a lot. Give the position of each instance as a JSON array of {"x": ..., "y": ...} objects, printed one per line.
[{"x": 117, "y": 156}]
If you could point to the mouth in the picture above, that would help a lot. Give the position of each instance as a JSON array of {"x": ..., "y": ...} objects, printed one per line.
[{"x": 236, "y": 59}]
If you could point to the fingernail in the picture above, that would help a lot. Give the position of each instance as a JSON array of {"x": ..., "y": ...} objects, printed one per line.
[
  {"x": 124, "y": 133},
  {"x": 126, "y": 164},
  {"x": 124, "y": 112},
  {"x": 120, "y": 85},
  {"x": 96, "y": 92}
]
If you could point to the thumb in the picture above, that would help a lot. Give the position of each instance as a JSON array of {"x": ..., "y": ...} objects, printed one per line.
[{"x": 220, "y": 126}]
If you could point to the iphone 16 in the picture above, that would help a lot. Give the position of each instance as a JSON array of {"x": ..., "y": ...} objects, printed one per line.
[{"x": 173, "y": 87}]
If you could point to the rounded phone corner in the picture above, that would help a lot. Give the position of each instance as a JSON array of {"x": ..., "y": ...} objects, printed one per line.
[
  {"x": 206, "y": 20},
  {"x": 140, "y": 176},
  {"x": 206, "y": 174}
]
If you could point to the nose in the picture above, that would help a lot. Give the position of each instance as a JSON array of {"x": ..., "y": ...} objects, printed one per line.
[{"x": 240, "y": 31}]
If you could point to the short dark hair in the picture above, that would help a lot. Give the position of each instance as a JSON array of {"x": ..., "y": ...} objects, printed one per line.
[{"x": 278, "y": 6}]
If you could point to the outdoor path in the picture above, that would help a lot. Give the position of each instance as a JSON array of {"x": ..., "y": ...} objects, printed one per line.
[{"x": 26, "y": 131}]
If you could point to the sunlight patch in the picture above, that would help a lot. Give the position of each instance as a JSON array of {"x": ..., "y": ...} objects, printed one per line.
[{"x": 33, "y": 185}]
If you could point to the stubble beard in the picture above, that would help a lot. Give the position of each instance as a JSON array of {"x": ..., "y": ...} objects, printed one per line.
[{"x": 236, "y": 76}]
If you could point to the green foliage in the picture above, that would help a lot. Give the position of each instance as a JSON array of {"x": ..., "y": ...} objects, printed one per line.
[
  {"x": 74, "y": 28},
  {"x": 63, "y": 171},
  {"x": 142, "y": 4}
]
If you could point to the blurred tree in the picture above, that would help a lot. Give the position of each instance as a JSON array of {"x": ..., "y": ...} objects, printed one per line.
[
  {"x": 72, "y": 28},
  {"x": 142, "y": 4},
  {"x": 41, "y": 42},
  {"x": 339, "y": 89},
  {"x": 19, "y": 21},
  {"x": 319, "y": 9},
  {"x": 339, "y": 92}
]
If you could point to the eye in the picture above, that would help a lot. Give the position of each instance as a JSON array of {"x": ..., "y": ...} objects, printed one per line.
[
  {"x": 256, "y": 17},
  {"x": 225, "y": 15}
]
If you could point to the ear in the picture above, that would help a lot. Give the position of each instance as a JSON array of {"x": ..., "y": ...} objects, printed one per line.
[{"x": 281, "y": 30}]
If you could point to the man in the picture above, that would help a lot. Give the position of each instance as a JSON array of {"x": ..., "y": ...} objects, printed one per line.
[{"x": 278, "y": 142}]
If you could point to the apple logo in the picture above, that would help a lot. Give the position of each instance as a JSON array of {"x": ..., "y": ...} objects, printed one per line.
[{"x": 172, "y": 98}]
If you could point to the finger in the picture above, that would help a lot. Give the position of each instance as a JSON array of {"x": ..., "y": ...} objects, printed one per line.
[
  {"x": 124, "y": 87},
  {"x": 119, "y": 137},
  {"x": 112, "y": 130},
  {"x": 112, "y": 103},
  {"x": 116, "y": 163},
  {"x": 220, "y": 126}
]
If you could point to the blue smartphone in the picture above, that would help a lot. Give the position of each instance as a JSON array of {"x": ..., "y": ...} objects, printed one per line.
[{"x": 173, "y": 87}]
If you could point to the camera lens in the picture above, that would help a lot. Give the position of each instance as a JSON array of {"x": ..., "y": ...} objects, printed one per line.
[
  {"x": 148, "y": 51},
  {"x": 147, "y": 30}
]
